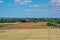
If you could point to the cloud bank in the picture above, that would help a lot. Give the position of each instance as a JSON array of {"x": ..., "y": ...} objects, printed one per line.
[
  {"x": 23, "y": 2},
  {"x": 55, "y": 1},
  {"x": 1, "y": 1}
]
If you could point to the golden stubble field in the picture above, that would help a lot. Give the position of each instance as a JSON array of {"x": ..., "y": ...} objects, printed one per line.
[
  {"x": 41, "y": 25},
  {"x": 29, "y": 31},
  {"x": 30, "y": 34}
]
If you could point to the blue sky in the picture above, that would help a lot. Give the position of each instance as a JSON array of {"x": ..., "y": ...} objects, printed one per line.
[{"x": 30, "y": 8}]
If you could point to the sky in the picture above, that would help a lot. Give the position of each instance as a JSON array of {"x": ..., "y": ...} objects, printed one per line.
[{"x": 30, "y": 8}]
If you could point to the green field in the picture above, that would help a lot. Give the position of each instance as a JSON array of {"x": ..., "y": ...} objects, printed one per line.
[{"x": 30, "y": 34}]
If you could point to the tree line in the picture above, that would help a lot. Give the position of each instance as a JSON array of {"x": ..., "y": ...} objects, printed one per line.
[
  {"x": 53, "y": 22},
  {"x": 14, "y": 20}
]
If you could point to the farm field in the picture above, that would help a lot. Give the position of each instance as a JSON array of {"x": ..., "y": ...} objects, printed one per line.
[
  {"x": 41, "y": 25},
  {"x": 30, "y": 34}
]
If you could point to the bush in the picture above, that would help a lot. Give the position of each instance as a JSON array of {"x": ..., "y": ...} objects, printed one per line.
[
  {"x": 58, "y": 22},
  {"x": 49, "y": 24}
]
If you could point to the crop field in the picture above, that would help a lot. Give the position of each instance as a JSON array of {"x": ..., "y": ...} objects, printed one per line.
[
  {"x": 30, "y": 34},
  {"x": 41, "y": 25},
  {"x": 28, "y": 31}
]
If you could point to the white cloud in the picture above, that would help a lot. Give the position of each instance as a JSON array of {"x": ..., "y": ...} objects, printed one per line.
[
  {"x": 55, "y": 1},
  {"x": 9, "y": 5},
  {"x": 38, "y": 5},
  {"x": 34, "y": 5},
  {"x": 52, "y": 7},
  {"x": 23, "y": 2},
  {"x": 36, "y": 10},
  {"x": 28, "y": 10},
  {"x": 55, "y": 4},
  {"x": 16, "y": 0},
  {"x": 1, "y": 1}
]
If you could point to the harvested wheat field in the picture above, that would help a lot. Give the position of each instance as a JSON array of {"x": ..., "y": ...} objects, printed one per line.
[
  {"x": 41, "y": 25},
  {"x": 30, "y": 34},
  {"x": 29, "y": 31}
]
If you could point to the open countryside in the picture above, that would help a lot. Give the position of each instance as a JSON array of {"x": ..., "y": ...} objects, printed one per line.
[
  {"x": 29, "y": 19},
  {"x": 29, "y": 29}
]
